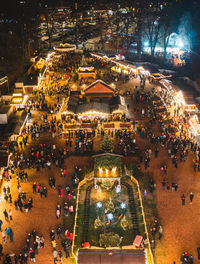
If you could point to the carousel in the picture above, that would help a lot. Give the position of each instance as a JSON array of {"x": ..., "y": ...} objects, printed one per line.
[{"x": 86, "y": 72}]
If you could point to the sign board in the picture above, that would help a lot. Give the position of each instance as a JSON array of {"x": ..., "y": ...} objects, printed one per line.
[{"x": 19, "y": 84}]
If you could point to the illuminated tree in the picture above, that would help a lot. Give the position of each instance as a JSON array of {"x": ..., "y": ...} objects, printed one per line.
[
  {"x": 124, "y": 223},
  {"x": 110, "y": 208},
  {"x": 107, "y": 144},
  {"x": 98, "y": 223}
]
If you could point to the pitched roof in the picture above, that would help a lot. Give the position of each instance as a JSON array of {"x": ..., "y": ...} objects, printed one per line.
[{"x": 99, "y": 87}]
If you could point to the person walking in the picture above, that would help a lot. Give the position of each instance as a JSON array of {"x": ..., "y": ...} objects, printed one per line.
[
  {"x": 53, "y": 244},
  {"x": 191, "y": 197},
  {"x": 183, "y": 199},
  {"x": 35, "y": 247},
  {"x": 45, "y": 192},
  {"x": 34, "y": 234},
  {"x": 160, "y": 231},
  {"x": 34, "y": 187},
  {"x": 66, "y": 251},
  {"x": 32, "y": 255},
  {"x": 52, "y": 235},
  {"x": 3, "y": 235},
  {"x": 10, "y": 214},
  {"x": 1, "y": 223},
  {"x": 16, "y": 259},
  {"x": 145, "y": 194},
  {"x": 60, "y": 255},
  {"x": 59, "y": 232},
  {"x": 16, "y": 204},
  {"x": 11, "y": 236},
  {"x": 191, "y": 259},
  {"x": 1, "y": 250},
  {"x": 55, "y": 255},
  {"x": 5, "y": 215}
]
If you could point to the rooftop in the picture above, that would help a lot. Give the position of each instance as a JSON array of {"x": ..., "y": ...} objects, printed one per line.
[
  {"x": 99, "y": 87},
  {"x": 89, "y": 256}
]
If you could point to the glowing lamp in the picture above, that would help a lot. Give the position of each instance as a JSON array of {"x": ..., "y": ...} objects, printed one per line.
[
  {"x": 99, "y": 205},
  {"x": 17, "y": 94},
  {"x": 114, "y": 170},
  {"x": 106, "y": 171},
  {"x": 110, "y": 216},
  {"x": 122, "y": 205},
  {"x": 100, "y": 170},
  {"x": 118, "y": 189},
  {"x": 180, "y": 43}
]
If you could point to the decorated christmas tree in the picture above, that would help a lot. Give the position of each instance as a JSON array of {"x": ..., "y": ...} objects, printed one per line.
[
  {"x": 124, "y": 223},
  {"x": 98, "y": 223},
  {"x": 110, "y": 208},
  {"x": 107, "y": 144}
]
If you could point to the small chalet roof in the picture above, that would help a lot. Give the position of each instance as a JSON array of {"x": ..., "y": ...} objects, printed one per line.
[
  {"x": 99, "y": 87},
  {"x": 69, "y": 106},
  {"x": 20, "y": 123},
  {"x": 73, "y": 105},
  {"x": 189, "y": 98},
  {"x": 119, "y": 109}
]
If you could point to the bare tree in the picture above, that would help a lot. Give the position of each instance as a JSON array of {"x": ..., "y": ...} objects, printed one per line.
[
  {"x": 152, "y": 25},
  {"x": 49, "y": 20}
]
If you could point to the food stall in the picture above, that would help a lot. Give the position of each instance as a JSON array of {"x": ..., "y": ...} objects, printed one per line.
[{"x": 194, "y": 126}]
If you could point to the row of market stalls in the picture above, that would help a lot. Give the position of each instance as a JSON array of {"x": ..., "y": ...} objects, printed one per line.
[
  {"x": 98, "y": 101},
  {"x": 182, "y": 102},
  {"x": 122, "y": 67}
]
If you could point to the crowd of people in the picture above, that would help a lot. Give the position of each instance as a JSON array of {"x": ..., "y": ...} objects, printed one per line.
[
  {"x": 187, "y": 258},
  {"x": 29, "y": 251},
  {"x": 43, "y": 156}
]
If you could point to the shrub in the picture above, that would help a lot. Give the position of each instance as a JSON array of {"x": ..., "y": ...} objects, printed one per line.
[
  {"x": 107, "y": 144},
  {"x": 109, "y": 240}
]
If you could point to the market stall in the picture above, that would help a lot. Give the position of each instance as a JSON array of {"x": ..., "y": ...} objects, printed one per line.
[{"x": 194, "y": 126}]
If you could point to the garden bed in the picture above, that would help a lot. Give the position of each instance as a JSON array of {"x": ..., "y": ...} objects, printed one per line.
[{"x": 110, "y": 221}]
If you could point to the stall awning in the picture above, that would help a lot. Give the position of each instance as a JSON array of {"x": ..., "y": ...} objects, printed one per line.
[{"x": 93, "y": 107}]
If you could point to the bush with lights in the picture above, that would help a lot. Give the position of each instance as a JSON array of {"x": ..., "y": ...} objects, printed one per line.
[
  {"x": 110, "y": 207},
  {"x": 107, "y": 144},
  {"x": 107, "y": 184},
  {"x": 109, "y": 240},
  {"x": 124, "y": 223},
  {"x": 98, "y": 223}
]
